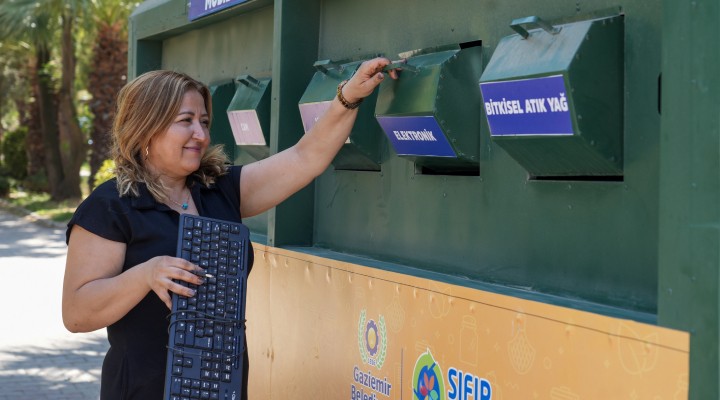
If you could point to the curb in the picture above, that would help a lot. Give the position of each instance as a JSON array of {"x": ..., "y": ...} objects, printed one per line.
[{"x": 31, "y": 216}]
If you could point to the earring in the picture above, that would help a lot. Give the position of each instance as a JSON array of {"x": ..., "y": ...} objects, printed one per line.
[{"x": 147, "y": 151}]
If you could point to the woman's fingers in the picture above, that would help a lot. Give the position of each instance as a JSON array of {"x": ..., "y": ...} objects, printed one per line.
[
  {"x": 367, "y": 78},
  {"x": 166, "y": 271}
]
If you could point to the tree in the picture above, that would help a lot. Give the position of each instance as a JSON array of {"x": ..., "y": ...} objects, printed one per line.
[
  {"x": 25, "y": 21},
  {"x": 64, "y": 143},
  {"x": 18, "y": 92},
  {"x": 107, "y": 75},
  {"x": 73, "y": 148}
]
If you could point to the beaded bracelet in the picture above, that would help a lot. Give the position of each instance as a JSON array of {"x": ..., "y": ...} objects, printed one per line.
[{"x": 343, "y": 100}]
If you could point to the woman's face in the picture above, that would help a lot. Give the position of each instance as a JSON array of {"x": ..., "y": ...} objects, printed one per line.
[{"x": 177, "y": 152}]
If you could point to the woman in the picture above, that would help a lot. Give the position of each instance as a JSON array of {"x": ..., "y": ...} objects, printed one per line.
[{"x": 120, "y": 269}]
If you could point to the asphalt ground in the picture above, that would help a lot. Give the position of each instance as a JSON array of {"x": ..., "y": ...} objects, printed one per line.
[{"x": 39, "y": 358}]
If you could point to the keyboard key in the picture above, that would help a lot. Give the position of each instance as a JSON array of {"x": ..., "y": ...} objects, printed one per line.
[
  {"x": 204, "y": 343},
  {"x": 179, "y": 338},
  {"x": 176, "y": 385},
  {"x": 218, "y": 345}
]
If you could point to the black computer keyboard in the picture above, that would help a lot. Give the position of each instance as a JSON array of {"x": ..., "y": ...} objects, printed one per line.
[{"x": 207, "y": 331}]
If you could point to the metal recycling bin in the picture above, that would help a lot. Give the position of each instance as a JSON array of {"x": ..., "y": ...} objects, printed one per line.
[
  {"x": 249, "y": 115},
  {"x": 363, "y": 149},
  {"x": 431, "y": 113},
  {"x": 553, "y": 97}
]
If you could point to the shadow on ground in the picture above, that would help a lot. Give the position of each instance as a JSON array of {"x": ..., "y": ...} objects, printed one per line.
[
  {"x": 18, "y": 238},
  {"x": 68, "y": 370}
]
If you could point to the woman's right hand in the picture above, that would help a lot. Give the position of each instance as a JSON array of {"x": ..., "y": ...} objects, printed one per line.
[{"x": 163, "y": 270}]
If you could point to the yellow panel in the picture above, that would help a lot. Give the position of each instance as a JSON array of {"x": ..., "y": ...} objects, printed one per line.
[{"x": 319, "y": 328}]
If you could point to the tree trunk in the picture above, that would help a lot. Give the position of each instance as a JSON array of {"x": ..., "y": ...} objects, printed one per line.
[
  {"x": 73, "y": 144},
  {"x": 105, "y": 80},
  {"x": 29, "y": 112},
  {"x": 49, "y": 123}
]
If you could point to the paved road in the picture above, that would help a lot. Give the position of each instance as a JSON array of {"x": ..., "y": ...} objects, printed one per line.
[{"x": 39, "y": 359}]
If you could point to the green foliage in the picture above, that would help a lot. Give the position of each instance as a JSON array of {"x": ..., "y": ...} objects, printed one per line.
[
  {"x": 13, "y": 153},
  {"x": 36, "y": 183},
  {"x": 31, "y": 34},
  {"x": 105, "y": 173}
]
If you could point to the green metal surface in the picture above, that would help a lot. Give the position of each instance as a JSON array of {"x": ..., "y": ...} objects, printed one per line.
[
  {"x": 645, "y": 246},
  {"x": 293, "y": 56},
  {"x": 689, "y": 240},
  {"x": 567, "y": 238},
  {"x": 563, "y": 238},
  {"x": 220, "y": 132},
  {"x": 162, "y": 19},
  {"x": 589, "y": 56}
]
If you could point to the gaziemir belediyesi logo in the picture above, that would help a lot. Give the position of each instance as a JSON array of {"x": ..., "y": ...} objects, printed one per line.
[
  {"x": 372, "y": 340},
  {"x": 372, "y": 344}
]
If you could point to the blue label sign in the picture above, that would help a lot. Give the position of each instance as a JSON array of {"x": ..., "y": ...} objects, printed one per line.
[
  {"x": 535, "y": 106},
  {"x": 201, "y": 8},
  {"x": 416, "y": 136}
]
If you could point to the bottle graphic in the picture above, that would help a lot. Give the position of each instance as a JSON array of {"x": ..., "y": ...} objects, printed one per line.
[
  {"x": 469, "y": 341},
  {"x": 521, "y": 352}
]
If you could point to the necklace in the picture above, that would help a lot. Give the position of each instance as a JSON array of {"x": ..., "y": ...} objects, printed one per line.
[{"x": 184, "y": 205}]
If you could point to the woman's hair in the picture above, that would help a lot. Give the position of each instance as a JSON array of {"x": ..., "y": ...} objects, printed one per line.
[{"x": 146, "y": 107}]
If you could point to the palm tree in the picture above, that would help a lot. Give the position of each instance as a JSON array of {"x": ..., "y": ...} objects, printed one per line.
[
  {"x": 37, "y": 21},
  {"x": 23, "y": 20},
  {"x": 107, "y": 75},
  {"x": 74, "y": 149},
  {"x": 18, "y": 89}
]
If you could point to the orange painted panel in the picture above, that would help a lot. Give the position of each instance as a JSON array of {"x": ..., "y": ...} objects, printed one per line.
[{"x": 319, "y": 328}]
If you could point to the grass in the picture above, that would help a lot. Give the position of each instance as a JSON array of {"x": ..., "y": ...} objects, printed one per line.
[{"x": 42, "y": 205}]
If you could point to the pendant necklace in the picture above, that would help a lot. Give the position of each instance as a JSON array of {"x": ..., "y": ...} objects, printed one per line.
[{"x": 184, "y": 205}]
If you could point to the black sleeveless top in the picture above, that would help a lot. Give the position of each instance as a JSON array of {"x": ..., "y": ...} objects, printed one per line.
[{"x": 134, "y": 367}]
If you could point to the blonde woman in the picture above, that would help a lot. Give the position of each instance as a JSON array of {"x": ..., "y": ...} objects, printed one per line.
[{"x": 120, "y": 265}]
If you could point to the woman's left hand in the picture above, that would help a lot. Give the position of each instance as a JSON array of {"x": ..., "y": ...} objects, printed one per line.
[{"x": 366, "y": 78}]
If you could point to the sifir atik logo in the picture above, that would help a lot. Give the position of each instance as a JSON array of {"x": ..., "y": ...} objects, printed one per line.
[
  {"x": 429, "y": 384},
  {"x": 427, "y": 380}
]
